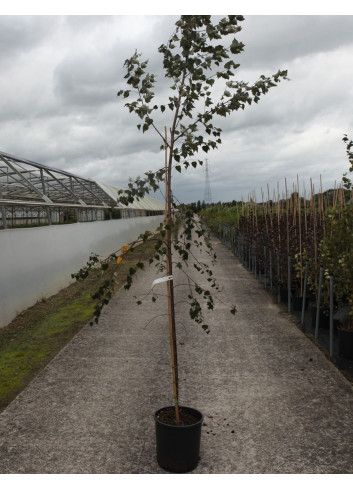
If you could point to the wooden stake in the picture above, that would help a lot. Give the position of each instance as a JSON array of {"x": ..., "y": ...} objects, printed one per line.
[
  {"x": 170, "y": 289},
  {"x": 269, "y": 205},
  {"x": 305, "y": 216},
  {"x": 287, "y": 212},
  {"x": 334, "y": 199},
  {"x": 313, "y": 220},
  {"x": 300, "y": 240},
  {"x": 279, "y": 218},
  {"x": 322, "y": 206}
]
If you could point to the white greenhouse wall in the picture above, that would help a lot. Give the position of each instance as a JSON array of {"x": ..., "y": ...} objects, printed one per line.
[{"x": 38, "y": 262}]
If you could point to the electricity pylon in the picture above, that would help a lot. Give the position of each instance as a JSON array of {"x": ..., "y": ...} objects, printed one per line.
[{"x": 207, "y": 197}]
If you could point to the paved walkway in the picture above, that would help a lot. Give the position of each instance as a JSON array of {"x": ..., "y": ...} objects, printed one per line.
[{"x": 272, "y": 402}]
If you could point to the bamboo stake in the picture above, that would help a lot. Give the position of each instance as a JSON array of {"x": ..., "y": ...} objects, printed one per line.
[
  {"x": 255, "y": 209},
  {"x": 322, "y": 206},
  {"x": 305, "y": 216},
  {"x": 295, "y": 205},
  {"x": 338, "y": 202},
  {"x": 264, "y": 211},
  {"x": 170, "y": 289},
  {"x": 270, "y": 206},
  {"x": 313, "y": 219},
  {"x": 334, "y": 197},
  {"x": 300, "y": 241},
  {"x": 287, "y": 212},
  {"x": 279, "y": 218},
  {"x": 344, "y": 198}
]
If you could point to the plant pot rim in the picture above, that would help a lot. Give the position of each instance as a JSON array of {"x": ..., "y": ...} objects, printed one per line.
[{"x": 179, "y": 427}]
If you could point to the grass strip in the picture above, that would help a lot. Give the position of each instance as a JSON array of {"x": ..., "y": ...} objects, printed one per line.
[{"x": 36, "y": 335}]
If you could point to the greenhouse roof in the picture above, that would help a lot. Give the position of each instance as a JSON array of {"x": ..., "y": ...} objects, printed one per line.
[
  {"x": 146, "y": 203},
  {"x": 24, "y": 182}
]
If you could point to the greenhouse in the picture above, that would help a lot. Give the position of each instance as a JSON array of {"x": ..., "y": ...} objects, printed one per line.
[
  {"x": 32, "y": 194},
  {"x": 38, "y": 254}
]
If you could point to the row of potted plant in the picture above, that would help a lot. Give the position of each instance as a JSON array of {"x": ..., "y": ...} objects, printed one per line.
[{"x": 293, "y": 238}]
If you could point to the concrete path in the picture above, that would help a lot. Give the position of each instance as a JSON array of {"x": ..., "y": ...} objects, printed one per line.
[{"x": 272, "y": 402}]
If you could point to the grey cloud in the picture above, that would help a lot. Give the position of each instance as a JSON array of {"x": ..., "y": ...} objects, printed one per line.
[
  {"x": 84, "y": 23},
  {"x": 272, "y": 40},
  {"x": 20, "y": 34},
  {"x": 86, "y": 79},
  {"x": 60, "y": 106},
  {"x": 93, "y": 74}
]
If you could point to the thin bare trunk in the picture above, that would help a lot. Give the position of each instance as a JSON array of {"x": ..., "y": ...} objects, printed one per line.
[{"x": 170, "y": 288}]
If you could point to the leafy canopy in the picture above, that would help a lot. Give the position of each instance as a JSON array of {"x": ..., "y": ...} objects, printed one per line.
[
  {"x": 200, "y": 65},
  {"x": 196, "y": 59}
]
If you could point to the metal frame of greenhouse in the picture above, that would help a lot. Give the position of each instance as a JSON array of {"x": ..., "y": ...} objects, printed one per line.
[{"x": 32, "y": 194}]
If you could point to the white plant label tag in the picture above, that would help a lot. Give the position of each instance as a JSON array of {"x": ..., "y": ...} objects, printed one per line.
[{"x": 163, "y": 279}]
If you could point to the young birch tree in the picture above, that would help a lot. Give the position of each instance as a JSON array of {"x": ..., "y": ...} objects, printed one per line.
[{"x": 201, "y": 65}]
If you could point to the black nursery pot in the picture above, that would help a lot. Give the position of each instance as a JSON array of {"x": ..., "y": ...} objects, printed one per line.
[
  {"x": 324, "y": 318},
  {"x": 298, "y": 303},
  {"x": 284, "y": 295},
  {"x": 178, "y": 447},
  {"x": 345, "y": 343}
]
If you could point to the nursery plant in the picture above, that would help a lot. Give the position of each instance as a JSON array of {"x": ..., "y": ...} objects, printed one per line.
[
  {"x": 200, "y": 64},
  {"x": 316, "y": 233},
  {"x": 336, "y": 247}
]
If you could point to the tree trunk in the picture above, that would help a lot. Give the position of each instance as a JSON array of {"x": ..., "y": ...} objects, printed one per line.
[{"x": 170, "y": 288}]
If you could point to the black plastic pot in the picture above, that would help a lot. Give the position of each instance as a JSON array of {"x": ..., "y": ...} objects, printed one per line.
[
  {"x": 284, "y": 295},
  {"x": 298, "y": 303},
  {"x": 178, "y": 447},
  {"x": 324, "y": 317},
  {"x": 345, "y": 343}
]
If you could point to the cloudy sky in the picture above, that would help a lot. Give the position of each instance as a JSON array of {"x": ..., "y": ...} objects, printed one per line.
[{"x": 60, "y": 75}]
